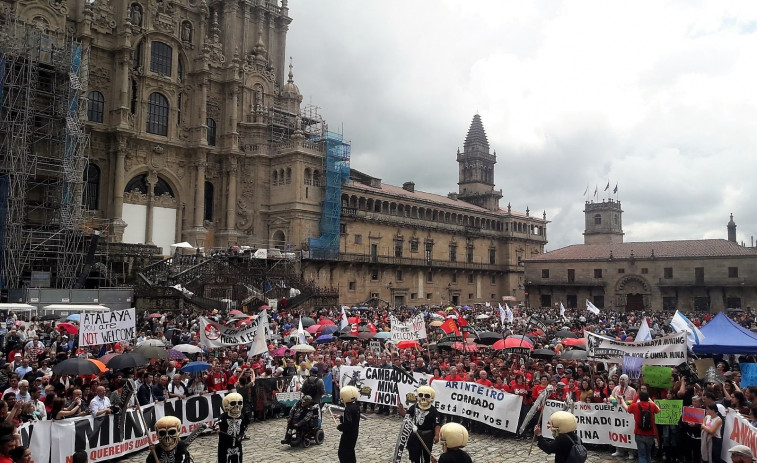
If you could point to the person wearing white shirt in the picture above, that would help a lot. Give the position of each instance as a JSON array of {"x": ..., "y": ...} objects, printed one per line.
[
  {"x": 23, "y": 392},
  {"x": 100, "y": 405},
  {"x": 39, "y": 406}
]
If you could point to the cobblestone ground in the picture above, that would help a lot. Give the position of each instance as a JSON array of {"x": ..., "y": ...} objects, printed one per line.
[{"x": 378, "y": 435}]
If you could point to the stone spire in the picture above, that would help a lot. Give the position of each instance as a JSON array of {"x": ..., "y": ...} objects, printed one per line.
[
  {"x": 732, "y": 229},
  {"x": 476, "y": 137}
]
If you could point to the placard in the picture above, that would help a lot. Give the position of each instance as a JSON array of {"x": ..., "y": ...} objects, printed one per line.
[
  {"x": 693, "y": 415},
  {"x": 748, "y": 374},
  {"x": 486, "y": 405},
  {"x": 411, "y": 330},
  {"x": 670, "y": 412},
  {"x": 669, "y": 350},
  {"x": 632, "y": 366},
  {"x": 217, "y": 335},
  {"x": 598, "y": 423},
  {"x": 99, "y": 328},
  {"x": 660, "y": 377}
]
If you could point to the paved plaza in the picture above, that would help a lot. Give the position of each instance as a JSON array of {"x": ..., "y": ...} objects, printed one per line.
[{"x": 378, "y": 435}]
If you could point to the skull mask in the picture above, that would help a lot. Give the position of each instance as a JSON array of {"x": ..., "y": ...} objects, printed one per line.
[
  {"x": 453, "y": 436},
  {"x": 426, "y": 396},
  {"x": 349, "y": 394},
  {"x": 232, "y": 403},
  {"x": 562, "y": 423},
  {"x": 168, "y": 429}
]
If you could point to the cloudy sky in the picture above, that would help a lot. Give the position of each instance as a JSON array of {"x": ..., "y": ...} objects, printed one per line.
[{"x": 657, "y": 97}]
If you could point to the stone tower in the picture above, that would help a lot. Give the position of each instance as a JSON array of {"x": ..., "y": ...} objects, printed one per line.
[
  {"x": 604, "y": 222},
  {"x": 731, "y": 230},
  {"x": 476, "y": 164}
]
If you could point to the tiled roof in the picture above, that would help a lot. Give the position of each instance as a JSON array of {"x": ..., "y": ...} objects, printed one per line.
[
  {"x": 476, "y": 133},
  {"x": 423, "y": 196},
  {"x": 661, "y": 249}
]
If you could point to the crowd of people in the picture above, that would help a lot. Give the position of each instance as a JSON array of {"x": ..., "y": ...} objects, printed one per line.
[{"x": 33, "y": 391}]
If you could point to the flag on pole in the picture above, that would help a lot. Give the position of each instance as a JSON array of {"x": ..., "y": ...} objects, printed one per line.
[
  {"x": 591, "y": 307},
  {"x": 586, "y": 192},
  {"x": 596, "y": 190},
  {"x": 644, "y": 334},
  {"x": 562, "y": 310},
  {"x": 343, "y": 323},
  {"x": 509, "y": 313},
  {"x": 301, "y": 333},
  {"x": 615, "y": 191},
  {"x": 449, "y": 327},
  {"x": 502, "y": 315},
  {"x": 608, "y": 186},
  {"x": 681, "y": 323}
]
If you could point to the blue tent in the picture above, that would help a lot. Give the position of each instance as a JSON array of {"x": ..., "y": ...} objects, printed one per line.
[{"x": 724, "y": 336}]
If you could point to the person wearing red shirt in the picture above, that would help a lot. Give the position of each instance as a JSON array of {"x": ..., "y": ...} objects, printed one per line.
[
  {"x": 501, "y": 385},
  {"x": 543, "y": 384},
  {"x": 216, "y": 379},
  {"x": 644, "y": 437},
  {"x": 483, "y": 379}
]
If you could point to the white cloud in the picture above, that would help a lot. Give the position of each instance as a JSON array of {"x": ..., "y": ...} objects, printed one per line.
[{"x": 654, "y": 96}]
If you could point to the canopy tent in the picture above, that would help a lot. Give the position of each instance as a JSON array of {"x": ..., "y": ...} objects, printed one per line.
[{"x": 724, "y": 336}]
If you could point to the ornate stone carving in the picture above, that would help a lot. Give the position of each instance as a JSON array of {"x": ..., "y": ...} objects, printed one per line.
[
  {"x": 60, "y": 6},
  {"x": 135, "y": 197},
  {"x": 99, "y": 77},
  {"x": 165, "y": 23},
  {"x": 244, "y": 218},
  {"x": 103, "y": 19},
  {"x": 165, "y": 200}
]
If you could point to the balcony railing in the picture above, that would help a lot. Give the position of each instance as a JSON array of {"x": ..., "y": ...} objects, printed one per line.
[
  {"x": 690, "y": 282},
  {"x": 597, "y": 282},
  {"x": 417, "y": 262}
]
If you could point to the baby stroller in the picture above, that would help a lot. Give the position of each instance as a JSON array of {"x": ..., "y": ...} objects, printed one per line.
[{"x": 313, "y": 432}]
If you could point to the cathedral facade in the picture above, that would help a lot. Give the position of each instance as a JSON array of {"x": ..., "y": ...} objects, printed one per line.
[{"x": 197, "y": 134}]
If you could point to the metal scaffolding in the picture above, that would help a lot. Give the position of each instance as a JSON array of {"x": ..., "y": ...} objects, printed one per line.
[{"x": 42, "y": 155}]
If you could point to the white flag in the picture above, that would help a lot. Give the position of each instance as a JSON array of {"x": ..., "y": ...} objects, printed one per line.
[
  {"x": 502, "y": 315},
  {"x": 301, "y": 333},
  {"x": 259, "y": 345},
  {"x": 644, "y": 334},
  {"x": 343, "y": 323},
  {"x": 509, "y": 313},
  {"x": 562, "y": 310},
  {"x": 681, "y": 323},
  {"x": 591, "y": 307}
]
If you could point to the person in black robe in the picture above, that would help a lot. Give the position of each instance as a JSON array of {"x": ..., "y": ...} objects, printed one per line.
[
  {"x": 171, "y": 449},
  {"x": 232, "y": 426},
  {"x": 349, "y": 424},
  {"x": 427, "y": 419}
]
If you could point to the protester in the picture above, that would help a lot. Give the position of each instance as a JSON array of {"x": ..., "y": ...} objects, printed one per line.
[{"x": 644, "y": 428}]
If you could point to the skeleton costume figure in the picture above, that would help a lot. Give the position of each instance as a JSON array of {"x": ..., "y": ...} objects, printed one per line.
[
  {"x": 349, "y": 424},
  {"x": 170, "y": 449},
  {"x": 453, "y": 438},
  {"x": 428, "y": 421},
  {"x": 232, "y": 426}
]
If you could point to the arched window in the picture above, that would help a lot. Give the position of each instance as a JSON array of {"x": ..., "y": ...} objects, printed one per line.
[
  {"x": 211, "y": 123},
  {"x": 208, "y": 202},
  {"x": 157, "y": 114},
  {"x": 597, "y": 219},
  {"x": 95, "y": 107},
  {"x": 275, "y": 178},
  {"x": 92, "y": 188},
  {"x": 161, "y": 57},
  {"x": 140, "y": 184}
]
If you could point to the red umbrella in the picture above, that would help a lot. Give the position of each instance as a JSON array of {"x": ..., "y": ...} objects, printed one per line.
[
  {"x": 68, "y": 327},
  {"x": 325, "y": 322},
  {"x": 574, "y": 342},
  {"x": 236, "y": 312},
  {"x": 312, "y": 329},
  {"x": 407, "y": 344},
  {"x": 264, "y": 307},
  {"x": 154, "y": 315},
  {"x": 465, "y": 347},
  {"x": 512, "y": 342}
]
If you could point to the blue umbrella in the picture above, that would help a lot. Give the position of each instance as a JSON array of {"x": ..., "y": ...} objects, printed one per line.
[
  {"x": 330, "y": 329},
  {"x": 195, "y": 367},
  {"x": 74, "y": 317},
  {"x": 363, "y": 309},
  {"x": 383, "y": 335},
  {"x": 466, "y": 307},
  {"x": 324, "y": 338}
]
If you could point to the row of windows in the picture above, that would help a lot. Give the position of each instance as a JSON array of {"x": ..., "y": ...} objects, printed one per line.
[
  {"x": 422, "y": 213},
  {"x": 158, "y": 111},
  {"x": 429, "y": 278},
  {"x": 667, "y": 273}
]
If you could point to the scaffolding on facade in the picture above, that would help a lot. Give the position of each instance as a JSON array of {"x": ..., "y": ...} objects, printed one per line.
[
  {"x": 337, "y": 172},
  {"x": 42, "y": 155}
]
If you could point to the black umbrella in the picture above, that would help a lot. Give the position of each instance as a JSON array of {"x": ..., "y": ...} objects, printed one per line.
[
  {"x": 488, "y": 337},
  {"x": 76, "y": 366},
  {"x": 577, "y": 354},
  {"x": 152, "y": 352},
  {"x": 307, "y": 322},
  {"x": 565, "y": 334},
  {"x": 124, "y": 361},
  {"x": 546, "y": 354},
  {"x": 50, "y": 317}
]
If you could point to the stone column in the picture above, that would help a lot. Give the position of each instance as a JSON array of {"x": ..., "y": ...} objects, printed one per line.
[
  {"x": 199, "y": 210},
  {"x": 152, "y": 180},
  {"x": 231, "y": 199},
  {"x": 119, "y": 183}
]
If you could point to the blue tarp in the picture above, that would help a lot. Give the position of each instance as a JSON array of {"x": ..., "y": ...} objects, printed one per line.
[{"x": 724, "y": 336}]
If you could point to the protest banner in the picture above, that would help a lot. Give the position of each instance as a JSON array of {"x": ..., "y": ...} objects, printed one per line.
[
  {"x": 57, "y": 440},
  {"x": 737, "y": 431},
  {"x": 632, "y": 366},
  {"x": 413, "y": 329},
  {"x": 383, "y": 385},
  {"x": 669, "y": 350},
  {"x": 98, "y": 328},
  {"x": 597, "y": 423},
  {"x": 748, "y": 374},
  {"x": 693, "y": 415},
  {"x": 661, "y": 377},
  {"x": 214, "y": 334},
  {"x": 474, "y": 401},
  {"x": 670, "y": 412}
]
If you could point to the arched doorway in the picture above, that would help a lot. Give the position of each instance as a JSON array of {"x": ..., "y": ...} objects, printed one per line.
[
  {"x": 150, "y": 210},
  {"x": 278, "y": 240},
  {"x": 632, "y": 293}
]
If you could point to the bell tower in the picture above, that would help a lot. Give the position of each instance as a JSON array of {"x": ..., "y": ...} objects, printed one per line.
[
  {"x": 604, "y": 222},
  {"x": 476, "y": 169}
]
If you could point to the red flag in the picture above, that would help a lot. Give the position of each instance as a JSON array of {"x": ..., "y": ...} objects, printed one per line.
[
  {"x": 449, "y": 326},
  {"x": 461, "y": 322}
]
